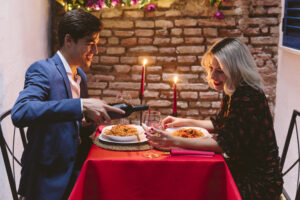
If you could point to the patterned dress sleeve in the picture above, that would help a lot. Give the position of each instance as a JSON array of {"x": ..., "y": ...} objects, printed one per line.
[{"x": 237, "y": 130}]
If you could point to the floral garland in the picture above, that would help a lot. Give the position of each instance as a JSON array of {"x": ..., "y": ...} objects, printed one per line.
[{"x": 92, "y": 5}]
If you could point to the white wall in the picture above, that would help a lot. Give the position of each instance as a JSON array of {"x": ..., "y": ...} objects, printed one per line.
[
  {"x": 287, "y": 99},
  {"x": 23, "y": 39}
]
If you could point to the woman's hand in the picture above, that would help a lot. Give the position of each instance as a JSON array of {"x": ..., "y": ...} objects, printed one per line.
[
  {"x": 159, "y": 138},
  {"x": 170, "y": 122}
]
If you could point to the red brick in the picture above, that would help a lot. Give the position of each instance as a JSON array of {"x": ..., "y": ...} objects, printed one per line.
[
  {"x": 192, "y": 31},
  {"x": 264, "y": 40},
  {"x": 166, "y": 59},
  {"x": 189, "y": 95},
  {"x": 153, "y": 78},
  {"x": 167, "y": 50},
  {"x": 229, "y": 32},
  {"x": 105, "y": 33},
  {"x": 162, "y": 32},
  {"x": 144, "y": 24},
  {"x": 194, "y": 40},
  {"x": 164, "y": 23},
  {"x": 124, "y": 85},
  {"x": 128, "y": 60},
  {"x": 210, "y": 32},
  {"x": 144, "y": 49},
  {"x": 115, "y": 50},
  {"x": 144, "y": 32},
  {"x": 134, "y": 14},
  {"x": 190, "y": 49},
  {"x": 176, "y": 31},
  {"x": 175, "y": 40},
  {"x": 173, "y": 13},
  {"x": 161, "y": 41},
  {"x": 111, "y": 13},
  {"x": 129, "y": 42},
  {"x": 187, "y": 59},
  {"x": 122, "y": 68},
  {"x": 193, "y": 86},
  {"x": 151, "y": 94},
  {"x": 94, "y": 92},
  {"x": 120, "y": 24},
  {"x": 209, "y": 95},
  {"x": 158, "y": 86},
  {"x": 154, "y": 69},
  {"x": 200, "y": 104},
  {"x": 185, "y": 22},
  {"x": 227, "y": 22},
  {"x": 159, "y": 103},
  {"x": 97, "y": 85},
  {"x": 109, "y": 59},
  {"x": 113, "y": 40},
  {"x": 123, "y": 33},
  {"x": 145, "y": 41}
]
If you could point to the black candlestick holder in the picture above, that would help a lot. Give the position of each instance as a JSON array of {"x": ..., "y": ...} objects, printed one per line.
[
  {"x": 174, "y": 114},
  {"x": 141, "y": 103}
]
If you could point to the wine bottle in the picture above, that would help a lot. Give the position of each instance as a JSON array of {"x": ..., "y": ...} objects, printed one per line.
[{"x": 127, "y": 108}]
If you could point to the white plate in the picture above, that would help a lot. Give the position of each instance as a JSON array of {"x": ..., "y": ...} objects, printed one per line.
[
  {"x": 124, "y": 139},
  {"x": 203, "y": 130}
]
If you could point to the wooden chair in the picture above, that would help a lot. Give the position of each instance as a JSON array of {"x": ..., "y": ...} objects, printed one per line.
[
  {"x": 5, "y": 149},
  {"x": 293, "y": 124}
]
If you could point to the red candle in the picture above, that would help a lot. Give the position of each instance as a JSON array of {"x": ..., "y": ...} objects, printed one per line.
[
  {"x": 143, "y": 79},
  {"x": 175, "y": 98}
]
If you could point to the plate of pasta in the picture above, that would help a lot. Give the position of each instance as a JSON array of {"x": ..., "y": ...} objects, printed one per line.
[
  {"x": 189, "y": 132},
  {"x": 121, "y": 133}
]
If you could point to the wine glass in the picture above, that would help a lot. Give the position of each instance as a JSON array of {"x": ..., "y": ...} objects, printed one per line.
[{"x": 151, "y": 118}]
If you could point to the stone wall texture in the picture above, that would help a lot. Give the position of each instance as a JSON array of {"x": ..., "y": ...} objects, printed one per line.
[{"x": 174, "y": 38}]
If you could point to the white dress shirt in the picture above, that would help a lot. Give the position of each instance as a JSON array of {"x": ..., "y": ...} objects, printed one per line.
[{"x": 74, "y": 84}]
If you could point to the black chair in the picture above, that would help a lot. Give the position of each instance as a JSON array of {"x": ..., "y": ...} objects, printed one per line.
[
  {"x": 293, "y": 124},
  {"x": 5, "y": 148}
]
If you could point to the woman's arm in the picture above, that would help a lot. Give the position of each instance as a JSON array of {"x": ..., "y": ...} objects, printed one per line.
[
  {"x": 170, "y": 122},
  {"x": 160, "y": 138}
]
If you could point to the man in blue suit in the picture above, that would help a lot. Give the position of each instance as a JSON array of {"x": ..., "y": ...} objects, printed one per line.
[{"x": 53, "y": 105}]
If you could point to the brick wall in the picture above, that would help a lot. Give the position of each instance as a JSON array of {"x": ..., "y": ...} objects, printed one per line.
[{"x": 173, "y": 39}]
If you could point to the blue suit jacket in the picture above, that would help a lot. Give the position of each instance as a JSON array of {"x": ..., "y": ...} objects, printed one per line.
[{"x": 52, "y": 116}]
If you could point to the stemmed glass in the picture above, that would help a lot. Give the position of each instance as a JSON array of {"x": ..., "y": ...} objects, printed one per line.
[{"x": 151, "y": 118}]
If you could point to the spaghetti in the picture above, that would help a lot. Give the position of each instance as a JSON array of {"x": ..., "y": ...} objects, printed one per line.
[{"x": 188, "y": 133}]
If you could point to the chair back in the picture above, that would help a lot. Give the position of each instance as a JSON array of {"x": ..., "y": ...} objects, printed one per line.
[
  {"x": 8, "y": 151},
  {"x": 295, "y": 161}
]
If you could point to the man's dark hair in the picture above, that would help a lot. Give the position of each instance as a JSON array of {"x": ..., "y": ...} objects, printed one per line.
[{"x": 78, "y": 24}]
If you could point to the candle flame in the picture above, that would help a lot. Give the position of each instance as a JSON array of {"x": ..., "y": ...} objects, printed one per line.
[
  {"x": 144, "y": 62},
  {"x": 175, "y": 79}
]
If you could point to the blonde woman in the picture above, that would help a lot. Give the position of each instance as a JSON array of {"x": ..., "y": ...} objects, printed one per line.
[{"x": 244, "y": 125}]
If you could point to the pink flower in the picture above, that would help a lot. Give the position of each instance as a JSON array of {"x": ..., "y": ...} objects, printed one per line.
[
  {"x": 134, "y": 2},
  {"x": 219, "y": 15},
  {"x": 151, "y": 6}
]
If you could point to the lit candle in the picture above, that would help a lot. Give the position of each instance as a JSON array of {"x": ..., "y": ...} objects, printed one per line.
[
  {"x": 143, "y": 79},
  {"x": 175, "y": 98}
]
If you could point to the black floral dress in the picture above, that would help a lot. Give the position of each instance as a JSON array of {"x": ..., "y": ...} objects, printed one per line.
[{"x": 245, "y": 133}]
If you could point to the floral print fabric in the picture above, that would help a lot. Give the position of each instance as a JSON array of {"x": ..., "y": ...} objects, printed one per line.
[{"x": 245, "y": 132}]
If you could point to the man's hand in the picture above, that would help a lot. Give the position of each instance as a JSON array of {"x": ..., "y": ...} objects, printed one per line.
[{"x": 96, "y": 110}]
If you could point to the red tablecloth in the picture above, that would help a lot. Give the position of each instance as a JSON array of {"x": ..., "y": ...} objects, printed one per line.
[{"x": 114, "y": 175}]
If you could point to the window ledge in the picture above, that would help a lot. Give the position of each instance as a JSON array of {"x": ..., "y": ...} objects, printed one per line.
[{"x": 290, "y": 50}]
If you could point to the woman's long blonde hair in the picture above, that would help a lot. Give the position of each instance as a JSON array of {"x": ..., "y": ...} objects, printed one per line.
[{"x": 237, "y": 63}]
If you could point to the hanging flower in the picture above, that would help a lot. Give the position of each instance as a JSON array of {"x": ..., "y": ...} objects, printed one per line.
[
  {"x": 134, "y": 2},
  {"x": 151, "y": 7},
  {"x": 219, "y": 15}
]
